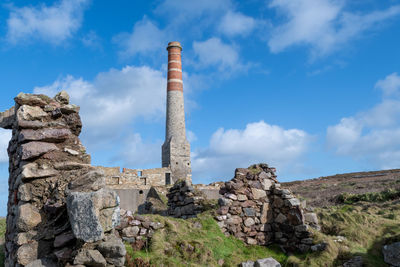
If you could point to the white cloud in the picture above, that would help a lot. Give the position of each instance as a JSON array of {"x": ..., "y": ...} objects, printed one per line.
[
  {"x": 235, "y": 23},
  {"x": 258, "y": 142},
  {"x": 52, "y": 24},
  {"x": 372, "y": 135},
  {"x": 114, "y": 99},
  {"x": 140, "y": 154},
  {"x": 213, "y": 52},
  {"x": 145, "y": 38},
  {"x": 5, "y": 137},
  {"x": 390, "y": 85},
  {"x": 324, "y": 25},
  {"x": 92, "y": 40}
]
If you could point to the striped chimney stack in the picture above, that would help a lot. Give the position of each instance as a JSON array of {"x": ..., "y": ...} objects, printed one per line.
[{"x": 176, "y": 148}]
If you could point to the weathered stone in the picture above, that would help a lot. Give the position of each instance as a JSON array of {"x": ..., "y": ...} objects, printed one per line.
[
  {"x": 319, "y": 247},
  {"x": 223, "y": 210},
  {"x": 71, "y": 151},
  {"x": 231, "y": 196},
  {"x": 250, "y": 212},
  {"x": 32, "y": 99},
  {"x": 292, "y": 202},
  {"x": 391, "y": 254},
  {"x": 90, "y": 257},
  {"x": 266, "y": 184},
  {"x": 36, "y": 149},
  {"x": 249, "y": 222},
  {"x": 69, "y": 109},
  {"x": 280, "y": 218},
  {"x": 109, "y": 218},
  {"x": 25, "y": 237},
  {"x": 63, "y": 239},
  {"x": 62, "y": 97},
  {"x": 91, "y": 181},
  {"x": 224, "y": 201},
  {"x": 234, "y": 220},
  {"x": 258, "y": 193},
  {"x": 7, "y": 118},
  {"x": 32, "y": 170},
  {"x": 83, "y": 217},
  {"x": 251, "y": 241},
  {"x": 25, "y": 192},
  {"x": 28, "y": 217},
  {"x": 311, "y": 218},
  {"x": 131, "y": 231},
  {"x": 264, "y": 213},
  {"x": 247, "y": 264},
  {"x": 241, "y": 197},
  {"x": 113, "y": 249},
  {"x": 45, "y": 135},
  {"x": 42, "y": 263},
  {"x": 27, "y": 253},
  {"x": 356, "y": 261},
  {"x": 63, "y": 254},
  {"x": 29, "y": 113},
  {"x": 267, "y": 262}
]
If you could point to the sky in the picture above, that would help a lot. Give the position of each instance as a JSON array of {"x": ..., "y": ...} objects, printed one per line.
[{"x": 311, "y": 87}]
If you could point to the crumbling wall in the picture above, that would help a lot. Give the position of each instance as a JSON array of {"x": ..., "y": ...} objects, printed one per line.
[
  {"x": 59, "y": 212},
  {"x": 255, "y": 209},
  {"x": 132, "y": 178}
]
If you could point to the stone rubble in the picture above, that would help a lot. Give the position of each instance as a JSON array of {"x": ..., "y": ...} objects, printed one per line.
[
  {"x": 184, "y": 201},
  {"x": 59, "y": 211},
  {"x": 137, "y": 229},
  {"x": 255, "y": 209}
]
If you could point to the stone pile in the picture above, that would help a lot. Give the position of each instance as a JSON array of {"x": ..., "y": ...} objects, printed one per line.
[
  {"x": 255, "y": 209},
  {"x": 267, "y": 262},
  {"x": 59, "y": 212},
  {"x": 137, "y": 229},
  {"x": 184, "y": 201}
]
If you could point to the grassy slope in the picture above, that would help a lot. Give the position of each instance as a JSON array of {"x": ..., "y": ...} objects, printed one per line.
[
  {"x": 172, "y": 245},
  {"x": 366, "y": 227}
]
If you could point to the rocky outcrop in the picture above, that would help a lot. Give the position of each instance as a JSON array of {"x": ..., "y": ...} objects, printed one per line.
[
  {"x": 255, "y": 209},
  {"x": 59, "y": 211},
  {"x": 184, "y": 201},
  {"x": 391, "y": 254}
]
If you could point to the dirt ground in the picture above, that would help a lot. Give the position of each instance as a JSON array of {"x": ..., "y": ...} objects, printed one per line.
[{"x": 322, "y": 191}]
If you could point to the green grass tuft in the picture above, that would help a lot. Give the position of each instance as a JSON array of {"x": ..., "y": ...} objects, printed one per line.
[
  {"x": 2, "y": 238},
  {"x": 386, "y": 195}
]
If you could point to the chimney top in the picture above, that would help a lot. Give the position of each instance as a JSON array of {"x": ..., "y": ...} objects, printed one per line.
[{"x": 174, "y": 44}]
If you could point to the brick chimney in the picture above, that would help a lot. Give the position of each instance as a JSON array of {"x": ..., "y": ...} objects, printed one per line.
[{"x": 176, "y": 148}]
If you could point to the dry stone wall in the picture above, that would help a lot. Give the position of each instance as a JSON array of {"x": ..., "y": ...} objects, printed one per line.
[
  {"x": 60, "y": 212},
  {"x": 255, "y": 209},
  {"x": 184, "y": 201}
]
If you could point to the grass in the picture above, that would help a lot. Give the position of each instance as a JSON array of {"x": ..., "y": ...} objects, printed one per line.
[
  {"x": 2, "y": 233},
  {"x": 180, "y": 243},
  {"x": 365, "y": 226},
  {"x": 386, "y": 195}
]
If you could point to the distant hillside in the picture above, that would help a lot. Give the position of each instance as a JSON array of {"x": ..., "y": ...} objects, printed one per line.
[{"x": 324, "y": 191}]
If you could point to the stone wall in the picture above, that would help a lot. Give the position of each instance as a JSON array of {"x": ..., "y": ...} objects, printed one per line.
[
  {"x": 132, "y": 178},
  {"x": 59, "y": 212},
  {"x": 255, "y": 209}
]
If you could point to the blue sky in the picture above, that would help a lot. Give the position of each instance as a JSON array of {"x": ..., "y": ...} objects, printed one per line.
[{"x": 311, "y": 87}]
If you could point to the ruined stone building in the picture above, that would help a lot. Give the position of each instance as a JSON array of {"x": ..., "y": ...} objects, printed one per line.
[{"x": 176, "y": 148}]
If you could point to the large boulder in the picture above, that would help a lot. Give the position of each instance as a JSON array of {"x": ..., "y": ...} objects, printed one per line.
[
  {"x": 391, "y": 254},
  {"x": 83, "y": 217}
]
